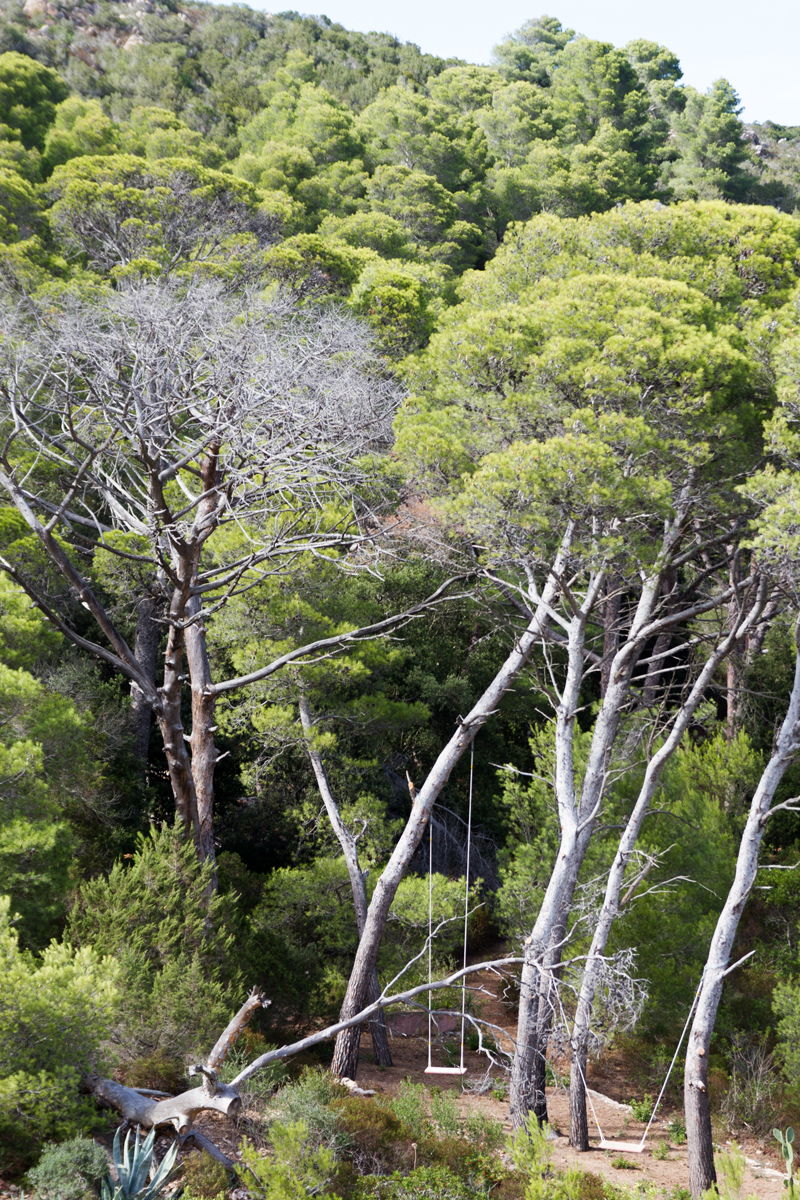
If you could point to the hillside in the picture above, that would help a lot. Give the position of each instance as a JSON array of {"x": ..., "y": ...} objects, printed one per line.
[{"x": 399, "y": 571}]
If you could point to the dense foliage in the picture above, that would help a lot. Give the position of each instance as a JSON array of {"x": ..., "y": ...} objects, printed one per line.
[{"x": 573, "y": 282}]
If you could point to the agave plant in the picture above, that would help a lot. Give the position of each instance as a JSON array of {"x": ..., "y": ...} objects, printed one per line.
[
  {"x": 133, "y": 1168},
  {"x": 787, "y": 1150}
]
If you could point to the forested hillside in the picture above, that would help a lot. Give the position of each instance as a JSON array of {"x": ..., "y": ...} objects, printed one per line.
[{"x": 397, "y": 481}]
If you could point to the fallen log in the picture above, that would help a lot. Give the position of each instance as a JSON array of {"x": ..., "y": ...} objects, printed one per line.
[
  {"x": 178, "y": 1111},
  {"x": 145, "y": 1109},
  {"x": 213, "y": 1096}
]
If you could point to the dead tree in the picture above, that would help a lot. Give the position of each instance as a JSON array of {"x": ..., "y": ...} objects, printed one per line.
[
  {"x": 216, "y": 432},
  {"x": 345, "y": 1057},
  {"x": 358, "y": 878},
  {"x": 580, "y": 804}
]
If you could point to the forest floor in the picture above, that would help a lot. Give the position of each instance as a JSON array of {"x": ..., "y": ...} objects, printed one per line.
[
  {"x": 609, "y": 1081},
  {"x": 610, "y": 1084}
]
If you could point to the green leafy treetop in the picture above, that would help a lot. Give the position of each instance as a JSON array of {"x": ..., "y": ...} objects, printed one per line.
[
  {"x": 533, "y": 51},
  {"x": 29, "y": 93}
]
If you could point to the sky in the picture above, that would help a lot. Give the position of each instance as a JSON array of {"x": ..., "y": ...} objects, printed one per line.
[{"x": 756, "y": 46}]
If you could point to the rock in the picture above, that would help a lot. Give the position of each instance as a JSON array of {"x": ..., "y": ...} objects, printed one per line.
[
  {"x": 133, "y": 41},
  {"x": 34, "y": 8},
  {"x": 354, "y": 1089}
]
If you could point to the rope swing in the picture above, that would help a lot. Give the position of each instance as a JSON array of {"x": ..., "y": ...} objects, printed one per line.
[
  {"x": 461, "y": 1069},
  {"x": 632, "y": 1147}
]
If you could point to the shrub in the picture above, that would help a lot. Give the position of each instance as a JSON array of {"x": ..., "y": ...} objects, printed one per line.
[
  {"x": 410, "y": 1107},
  {"x": 153, "y": 916},
  {"x": 677, "y": 1131},
  {"x": 297, "y": 1170},
  {"x": 445, "y": 1113},
  {"x": 749, "y": 1100},
  {"x": 730, "y": 1167},
  {"x": 642, "y": 1109},
  {"x": 379, "y": 1139},
  {"x": 308, "y": 1102},
  {"x": 484, "y": 1133},
  {"x": 205, "y": 1178},
  {"x": 157, "y": 1070},
  {"x": 69, "y": 1171},
  {"x": 532, "y": 1151},
  {"x": 54, "y": 1013},
  {"x": 424, "y": 1183},
  {"x": 259, "y": 1088},
  {"x": 594, "y": 1187}
]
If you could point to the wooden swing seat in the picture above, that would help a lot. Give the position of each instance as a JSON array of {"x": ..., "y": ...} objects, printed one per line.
[
  {"x": 631, "y": 1147},
  {"x": 445, "y": 1070}
]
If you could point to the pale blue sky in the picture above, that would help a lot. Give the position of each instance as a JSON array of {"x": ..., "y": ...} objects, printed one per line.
[{"x": 753, "y": 43}]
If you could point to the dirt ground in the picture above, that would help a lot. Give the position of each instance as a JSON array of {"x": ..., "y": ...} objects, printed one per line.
[
  {"x": 410, "y": 1056},
  {"x": 609, "y": 1086}
]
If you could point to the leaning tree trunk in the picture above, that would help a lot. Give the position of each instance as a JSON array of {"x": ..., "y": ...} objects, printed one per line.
[
  {"x": 139, "y": 1106},
  {"x": 593, "y": 970},
  {"x": 578, "y": 812},
  {"x": 358, "y": 879},
  {"x": 345, "y": 1057},
  {"x": 698, "y": 1116}
]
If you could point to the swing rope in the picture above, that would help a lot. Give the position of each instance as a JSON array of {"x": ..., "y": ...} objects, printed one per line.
[
  {"x": 632, "y": 1146},
  {"x": 460, "y": 1069}
]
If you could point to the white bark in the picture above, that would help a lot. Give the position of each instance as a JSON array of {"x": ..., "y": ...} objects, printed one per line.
[
  {"x": 358, "y": 878},
  {"x": 742, "y": 623},
  {"x": 165, "y": 406},
  {"x": 698, "y": 1117},
  {"x": 578, "y": 813},
  {"x": 346, "y": 1053},
  {"x": 180, "y": 1111}
]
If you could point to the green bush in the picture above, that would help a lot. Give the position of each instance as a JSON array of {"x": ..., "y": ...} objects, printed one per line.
[
  {"x": 153, "y": 916},
  {"x": 69, "y": 1171},
  {"x": 308, "y": 1102},
  {"x": 157, "y": 1070},
  {"x": 642, "y": 1109},
  {"x": 379, "y": 1141},
  {"x": 259, "y": 1088},
  {"x": 410, "y": 1106},
  {"x": 204, "y": 1177},
  {"x": 532, "y": 1151},
  {"x": 677, "y": 1131},
  {"x": 297, "y": 1169},
  {"x": 425, "y": 1183},
  {"x": 54, "y": 1015},
  {"x": 445, "y": 1113}
]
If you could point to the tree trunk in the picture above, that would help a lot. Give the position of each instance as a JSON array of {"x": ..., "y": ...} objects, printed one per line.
[
  {"x": 171, "y": 723},
  {"x": 179, "y": 1111},
  {"x": 698, "y": 1116},
  {"x": 203, "y": 743},
  {"x": 739, "y": 628},
  {"x": 578, "y": 814},
  {"x": 358, "y": 883},
  {"x": 146, "y": 651},
  {"x": 611, "y": 618},
  {"x": 578, "y": 1124},
  {"x": 345, "y": 1056},
  {"x": 377, "y": 1027}
]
